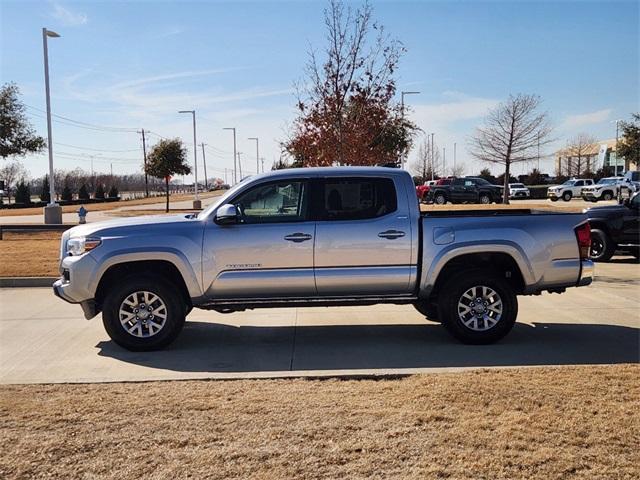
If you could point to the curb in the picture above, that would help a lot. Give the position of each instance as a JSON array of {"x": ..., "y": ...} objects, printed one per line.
[{"x": 10, "y": 282}]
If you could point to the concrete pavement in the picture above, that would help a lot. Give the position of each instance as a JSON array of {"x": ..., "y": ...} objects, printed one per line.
[{"x": 44, "y": 340}]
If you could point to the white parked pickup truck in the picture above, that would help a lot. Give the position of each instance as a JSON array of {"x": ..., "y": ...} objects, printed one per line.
[
  {"x": 569, "y": 189},
  {"x": 321, "y": 237}
]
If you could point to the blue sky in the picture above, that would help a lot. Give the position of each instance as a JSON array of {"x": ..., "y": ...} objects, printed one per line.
[{"x": 133, "y": 65}]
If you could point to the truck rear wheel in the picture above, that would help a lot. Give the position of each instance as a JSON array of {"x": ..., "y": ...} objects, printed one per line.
[
  {"x": 141, "y": 313},
  {"x": 478, "y": 307},
  {"x": 602, "y": 247}
]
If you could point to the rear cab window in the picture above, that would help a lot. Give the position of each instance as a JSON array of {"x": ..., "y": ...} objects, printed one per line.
[{"x": 355, "y": 198}]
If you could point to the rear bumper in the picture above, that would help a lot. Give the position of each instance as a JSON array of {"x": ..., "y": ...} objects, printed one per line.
[{"x": 586, "y": 273}]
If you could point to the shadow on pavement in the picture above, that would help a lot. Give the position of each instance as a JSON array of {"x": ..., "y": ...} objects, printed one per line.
[{"x": 210, "y": 347}]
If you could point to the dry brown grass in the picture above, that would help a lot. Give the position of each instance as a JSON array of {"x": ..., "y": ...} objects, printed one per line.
[
  {"x": 570, "y": 422},
  {"x": 32, "y": 254},
  {"x": 100, "y": 207}
]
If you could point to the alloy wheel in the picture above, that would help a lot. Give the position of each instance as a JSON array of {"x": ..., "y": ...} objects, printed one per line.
[
  {"x": 142, "y": 314},
  {"x": 480, "y": 308}
]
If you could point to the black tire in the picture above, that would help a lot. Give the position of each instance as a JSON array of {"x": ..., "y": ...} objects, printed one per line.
[
  {"x": 428, "y": 309},
  {"x": 439, "y": 198},
  {"x": 174, "y": 311},
  {"x": 566, "y": 196},
  {"x": 602, "y": 247},
  {"x": 607, "y": 196},
  {"x": 484, "y": 198},
  {"x": 452, "y": 293},
  {"x": 553, "y": 199}
]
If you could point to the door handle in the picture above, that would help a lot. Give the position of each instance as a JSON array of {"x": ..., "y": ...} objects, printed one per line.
[
  {"x": 298, "y": 237},
  {"x": 391, "y": 234}
]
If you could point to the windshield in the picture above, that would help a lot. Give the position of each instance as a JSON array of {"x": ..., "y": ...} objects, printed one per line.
[
  {"x": 569, "y": 182},
  {"x": 481, "y": 181},
  {"x": 607, "y": 181},
  {"x": 516, "y": 185}
]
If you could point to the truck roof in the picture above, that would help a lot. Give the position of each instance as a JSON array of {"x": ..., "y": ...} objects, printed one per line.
[{"x": 328, "y": 172}]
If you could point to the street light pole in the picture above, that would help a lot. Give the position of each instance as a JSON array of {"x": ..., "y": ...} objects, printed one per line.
[
  {"x": 402, "y": 94},
  {"x": 235, "y": 155},
  {"x": 53, "y": 211},
  {"x": 197, "y": 204},
  {"x": 454, "y": 158},
  {"x": 432, "y": 156},
  {"x": 204, "y": 162},
  {"x": 257, "y": 154}
]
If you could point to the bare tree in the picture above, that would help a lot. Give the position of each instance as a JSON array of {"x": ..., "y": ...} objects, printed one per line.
[
  {"x": 578, "y": 152},
  {"x": 11, "y": 173},
  {"x": 511, "y": 134},
  {"x": 428, "y": 161},
  {"x": 457, "y": 170}
]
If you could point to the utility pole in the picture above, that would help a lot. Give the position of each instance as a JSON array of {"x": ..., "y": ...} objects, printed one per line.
[
  {"x": 262, "y": 160},
  {"x": 225, "y": 175},
  {"x": 432, "y": 156},
  {"x": 112, "y": 172},
  {"x": 144, "y": 156},
  {"x": 204, "y": 161},
  {"x": 235, "y": 155},
  {"x": 444, "y": 161},
  {"x": 196, "y": 201},
  {"x": 454, "y": 157},
  {"x": 240, "y": 165},
  {"x": 402, "y": 94},
  {"x": 257, "y": 154},
  {"x": 53, "y": 211},
  {"x": 538, "y": 152}
]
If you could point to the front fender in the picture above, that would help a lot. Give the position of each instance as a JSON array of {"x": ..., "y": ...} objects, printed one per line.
[{"x": 126, "y": 255}]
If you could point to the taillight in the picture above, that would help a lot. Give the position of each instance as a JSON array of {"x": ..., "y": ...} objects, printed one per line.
[{"x": 583, "y": 233}]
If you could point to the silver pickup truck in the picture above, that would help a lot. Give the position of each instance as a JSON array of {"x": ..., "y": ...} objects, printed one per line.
[{"x": 320, "y": 236}]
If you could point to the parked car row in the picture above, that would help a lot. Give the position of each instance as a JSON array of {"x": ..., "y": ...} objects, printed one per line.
[{"x": 607, "y": 188}]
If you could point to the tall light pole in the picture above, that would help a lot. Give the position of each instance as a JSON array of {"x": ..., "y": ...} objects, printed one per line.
[
  {"x": 257, "y": 154},
  {"x": 240, "y": 165},
  {"x": 617, "y": 129},
  {"x": 454, "y": 158},
  {"x": 53, "y": 211},
  {"x": 197, "y": 204},
  {"x": 204, "y": 162},
  {"x": 235, "y": 155},
  {"x": 402, "y": 94},
  {"x": 444, "y": 161}
]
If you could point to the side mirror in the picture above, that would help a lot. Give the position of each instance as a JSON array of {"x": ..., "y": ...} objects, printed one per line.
[{"x": 227, "y": 214}]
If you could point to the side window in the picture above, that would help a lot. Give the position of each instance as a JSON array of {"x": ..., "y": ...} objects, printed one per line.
[
  {"x": 468, "y": 183},
  {"x": 284, "y": 201},
  {"x": 457, "y": 181},
  {"x": 579, "y": 183},
  {"x": 357, "y": 198}
]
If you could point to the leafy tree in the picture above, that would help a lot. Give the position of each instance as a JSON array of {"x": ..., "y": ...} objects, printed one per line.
[
  {"x": 604, "y": 172},
  {"x": 10, "y": 174},
  {"x": 499, "y": 180},
  {"x": 44, "y": 194},
  {"x": 512, "y": 133},
  {"x": 67, "y": 195},
  {"x": 486, "y": 174},
  {"x": 83, "y": 192},
  {"x": 23, "y": 193},
  {"x": 113, "y": 192},
  {"x": 346, "y": 109},
  {"x": 99, "y": 193},
  {"x": 17, "y": 136},
  {"x": 629, "y": 144},
  {"x": 167, "y": 158}
]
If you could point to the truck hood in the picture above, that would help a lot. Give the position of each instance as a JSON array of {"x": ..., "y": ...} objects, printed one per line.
[{"x": 108, "y": 227}]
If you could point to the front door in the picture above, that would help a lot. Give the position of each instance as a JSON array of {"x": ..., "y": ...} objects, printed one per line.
[
  {"x": 631, "y": 222},
  {"x": 363, "y": 237},
  {"x": 269, "y": 251}
]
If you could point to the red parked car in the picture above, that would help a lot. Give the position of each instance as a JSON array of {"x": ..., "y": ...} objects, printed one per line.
[{"x": 423, "y": 190}]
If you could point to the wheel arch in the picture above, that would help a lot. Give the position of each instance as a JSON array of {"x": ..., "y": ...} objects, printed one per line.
[
  {"x": 154, "y": 268},
  {"x": 509, "y": 264}
]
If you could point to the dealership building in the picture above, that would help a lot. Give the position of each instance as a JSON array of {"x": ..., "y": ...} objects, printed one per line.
[{"x": 600, "y": 154}]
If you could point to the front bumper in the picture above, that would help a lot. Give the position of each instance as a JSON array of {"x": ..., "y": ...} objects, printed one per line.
[
  {"x": 89, "y": 307},
  {"x": 553, "y": 194},
  {"x": 586, "y": 273}
]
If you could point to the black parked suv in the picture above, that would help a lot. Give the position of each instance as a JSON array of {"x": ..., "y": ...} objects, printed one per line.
[
  {"x": 615, "y": 228},
  {"x": 465, "y": 190}
]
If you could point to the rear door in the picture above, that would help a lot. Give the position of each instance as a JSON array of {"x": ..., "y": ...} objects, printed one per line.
[{"x": 363, "y": 238}]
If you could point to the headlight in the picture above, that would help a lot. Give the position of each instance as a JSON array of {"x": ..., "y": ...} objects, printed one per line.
[{"x": 79, "y": 245}]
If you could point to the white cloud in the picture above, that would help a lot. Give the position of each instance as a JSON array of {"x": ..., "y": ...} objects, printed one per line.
[
  {"x": 68, "y": 17},
  {"x": 590, "y": 118}
]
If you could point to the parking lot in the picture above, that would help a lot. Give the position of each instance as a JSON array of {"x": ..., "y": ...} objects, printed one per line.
[{"x": 44, "y": 340}]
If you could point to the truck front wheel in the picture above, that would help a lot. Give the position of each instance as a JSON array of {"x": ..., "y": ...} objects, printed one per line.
[
  {"x": 141, "y": 313},
  {"x": 478, "y": 307},
  {"x": 439, "y": 199}
]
